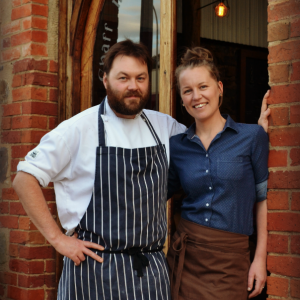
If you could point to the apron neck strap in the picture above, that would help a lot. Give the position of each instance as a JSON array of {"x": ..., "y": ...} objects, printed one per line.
[{"x": 101, "y": 131}]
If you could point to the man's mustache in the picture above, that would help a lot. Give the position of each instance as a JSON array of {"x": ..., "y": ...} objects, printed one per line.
[{"x": 133, "y": 94}]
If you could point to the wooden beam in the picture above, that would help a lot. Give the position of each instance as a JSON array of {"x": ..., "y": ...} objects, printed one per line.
[
  {"x": 167, "y": 91},
  {"x": 74, "y": 23},
  {"x": 87, "y": 53}
]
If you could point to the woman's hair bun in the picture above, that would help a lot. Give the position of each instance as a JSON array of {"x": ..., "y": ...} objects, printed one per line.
[{"x": 197, "y": 56}]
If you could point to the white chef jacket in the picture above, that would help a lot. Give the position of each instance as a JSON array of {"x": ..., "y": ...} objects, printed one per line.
[{"x": 67, "y": 155}]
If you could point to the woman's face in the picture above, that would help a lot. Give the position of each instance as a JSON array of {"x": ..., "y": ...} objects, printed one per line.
[{"x": 200, "y": 92}]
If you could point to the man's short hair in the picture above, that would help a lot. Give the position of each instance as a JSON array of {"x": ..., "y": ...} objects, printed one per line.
[{"x": 127, "y": 48}]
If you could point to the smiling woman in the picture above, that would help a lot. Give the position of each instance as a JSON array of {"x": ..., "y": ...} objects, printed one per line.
[{"x": 138, "y": 20}]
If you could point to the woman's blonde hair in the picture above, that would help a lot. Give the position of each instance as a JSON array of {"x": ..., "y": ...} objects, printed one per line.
[{"x": 198, "y": 57}]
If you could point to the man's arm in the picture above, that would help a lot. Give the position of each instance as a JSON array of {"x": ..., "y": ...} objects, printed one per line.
[
  {"x": 265, "y": 112},
  {"x": 258, "y": 270},
  {"x": 34, "y": 203}
]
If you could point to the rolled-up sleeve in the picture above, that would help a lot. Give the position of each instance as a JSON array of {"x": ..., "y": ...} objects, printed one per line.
[
  {"x": 259, "y": 160},
  {"x": 48, "y": 160}
]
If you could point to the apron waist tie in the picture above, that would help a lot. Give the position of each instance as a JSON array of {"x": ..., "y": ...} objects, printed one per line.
[
  {"x": 179, "y": 247},
  {"x": 139, "y": 260}
]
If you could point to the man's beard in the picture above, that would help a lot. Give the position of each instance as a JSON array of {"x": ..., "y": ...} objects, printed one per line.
[{"x": 117, "y": 103}]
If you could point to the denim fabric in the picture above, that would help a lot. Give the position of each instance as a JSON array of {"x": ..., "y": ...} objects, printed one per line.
[{"x": 220, "y": 183}]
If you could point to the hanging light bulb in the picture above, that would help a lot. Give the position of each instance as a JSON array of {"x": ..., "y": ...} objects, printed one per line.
[{"x": 221, "y": 10}]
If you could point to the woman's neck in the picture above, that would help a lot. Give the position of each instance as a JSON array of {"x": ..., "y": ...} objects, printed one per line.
[{"x": 207, "y": 129}]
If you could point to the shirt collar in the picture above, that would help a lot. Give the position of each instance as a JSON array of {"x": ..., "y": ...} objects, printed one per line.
[{"x": 190, "y": 133}]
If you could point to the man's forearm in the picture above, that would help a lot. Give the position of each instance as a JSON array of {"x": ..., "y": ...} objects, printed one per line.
[{"x": 34, "y": 203}]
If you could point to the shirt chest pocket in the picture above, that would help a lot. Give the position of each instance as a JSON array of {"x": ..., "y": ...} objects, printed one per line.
[{"x": 230, "y": 168}]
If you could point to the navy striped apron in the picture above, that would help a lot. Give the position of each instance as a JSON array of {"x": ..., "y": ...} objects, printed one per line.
[{"x": 127, "y": 211}]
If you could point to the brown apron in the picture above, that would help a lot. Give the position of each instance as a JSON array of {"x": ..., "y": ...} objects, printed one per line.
[{"x": 208, "y": 264}]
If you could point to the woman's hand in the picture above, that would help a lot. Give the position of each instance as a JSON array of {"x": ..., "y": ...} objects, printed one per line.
[
  {"x": 76, "y": 249},
  {"x": 258, "y": 271},
  {"x": 265, "y": 112}
]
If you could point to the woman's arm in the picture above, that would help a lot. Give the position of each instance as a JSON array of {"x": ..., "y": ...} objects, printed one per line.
[{"x": 258, "y": 269}]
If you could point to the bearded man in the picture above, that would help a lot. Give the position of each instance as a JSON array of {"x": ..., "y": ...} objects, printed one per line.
[{"x": 109, "y": 167}]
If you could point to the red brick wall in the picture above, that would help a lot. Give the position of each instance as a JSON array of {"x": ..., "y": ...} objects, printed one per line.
[
  {"x": 284, "y": 162},
  {"x": 30, "y": 111}
]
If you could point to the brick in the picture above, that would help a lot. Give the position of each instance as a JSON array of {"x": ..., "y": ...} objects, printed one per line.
[
  {"x": 53, "y": 66},
  {"x": 32, "y": 136},
  {"x": 35, "y": 281},
  {"x": 11, "y": 109},
  {"x": 295, "y": 288},
  {"x": 36, "y": 1},
  {"x": 18, "y": 293},
  {"x": 8, "y": 278},
  {"x": 26, "y": 224},
  {"x": 21, "y": 12},
  {"x": 49, "y": 194},
  {"x": 53, "y": 95},
  {"x": 21, "y": 151},
  {"x": 6, "y": 123},
  {"x": 284, "y": 265},
  {"x": 16, "y": 208},
  {"x": 295, "y": 201},
  {"x": 283, "y": 10},
  {"x": 284, "y": 94},
  {"x": 278, "y": 243},
  {"x": 11, "y": 137},
  {"x": 29, "y": 122},
  {"x": 51, "y": 294},
  {"x": 284, "y": 221},
  {"x": 277, "y": 286},
  {"x": 278, "y": 200},
  {"x": 295, "y": 244},
  {"x": 21, "y": 38},
  {"x": 278, "y": 31},
  {"x": 11, "y": 27},
  {"x": 44, "y": 252},
  {"x": 295, "y": 157},
  {"x": 16, "y": 3},
  {"x": 40, "y": 10},
  {"x": 9, "y": 194},
  {"x": 11, "y": 54},
  {"x": 50, "y": 266},
  {"x": 29, "y": 64},
  {"x": 279, "y": 73},
  {"x": 40, "y": 108},
  {"x": 295, "y": 114},
  {"x": 6, "y": 42},
  {"x": 295, "y": 28},
  {"x": 34, "y": 49},
  {"x": 39, "y": 36},
  {"x": 35, "y": 22},
  {"x": 14, "y": 250},
  {"x": 29, "y": 93},
  {"x": 25, "y": 237},
  {"x": 13, "y": 165},
  {"x": 27, "y": 267},
  {"x": 53, "y": 122},
  {"x": 41, "y": 79},
  {"x": 284, "y": 52},
  {"x": 277, "y": 158},
  {"x": 9, "y": 222},
  {"x": 295, "y": 74},
  {"x": 285, "y": 136},
  {"x": 4, "y": 207},
  {"x": 52, "y": 208},
  {"x": 284, "y": 180},
  {"x": 18, "y": 80}
]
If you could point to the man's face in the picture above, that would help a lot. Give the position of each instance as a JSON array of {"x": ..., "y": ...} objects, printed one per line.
[{"x": 127, "y": 86}]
